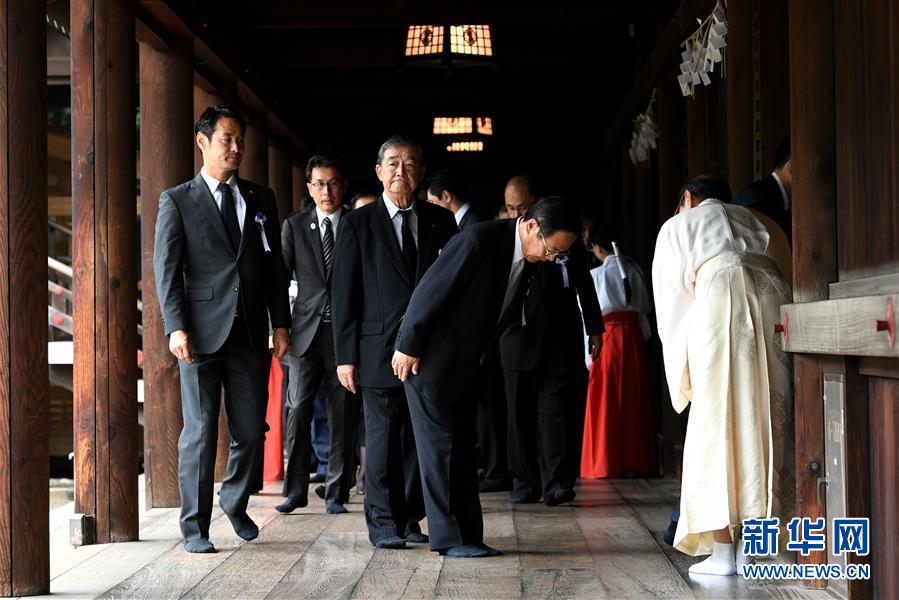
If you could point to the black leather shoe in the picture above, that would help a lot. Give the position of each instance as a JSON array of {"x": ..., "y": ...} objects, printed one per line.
[
  {"x": 291, "y": 504},
  {"x": 320, "y": 491},
  {"x": 559, "y": 497},
  {"x": 392, "y": 543},
  {"x": 199, "y": 546},
  {"x": 487, "y": 486},
  {"x": 524, "y": 499},
  {"x": 317, "y": 478},
  {"x": 466, "y": 551},
  {"x": 416, "y": 538}
]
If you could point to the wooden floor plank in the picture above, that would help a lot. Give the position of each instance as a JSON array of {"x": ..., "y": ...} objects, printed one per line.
[
  {"x": 255, "y": 569},
  {"x": 175, "y": 572},
  {"x": 495, "y": 577},
  {"x": 330, "y": 567},
  {"x": 629, "y": 562}
]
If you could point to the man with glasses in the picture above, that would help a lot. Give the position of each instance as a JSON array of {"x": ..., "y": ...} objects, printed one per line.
[
  {"x": 545, "y": 377},
  {"x": 471, "y": 293},
  {"x": 308, "y": 243}
]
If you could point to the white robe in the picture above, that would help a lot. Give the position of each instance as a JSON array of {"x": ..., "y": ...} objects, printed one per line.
[{"x": 718, "y": 293}]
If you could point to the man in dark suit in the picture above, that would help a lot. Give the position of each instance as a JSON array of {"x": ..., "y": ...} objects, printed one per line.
[
  {"x": 771, "y": 195},
  {"x": 473, "y": 290},
  {"x": 308, "y": 242},
  {"x": 545, "y": 377},
  {"x": 220, "y": 281},
  {"x": 445, "y": 191},
  {"x": 382, "y": 252}
]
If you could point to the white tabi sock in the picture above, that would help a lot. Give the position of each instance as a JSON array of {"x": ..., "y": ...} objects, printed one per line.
[{"x": 721, "y": 562}]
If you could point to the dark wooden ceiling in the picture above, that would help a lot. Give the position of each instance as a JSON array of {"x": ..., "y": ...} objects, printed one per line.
[{"x": 335, "y": 74}]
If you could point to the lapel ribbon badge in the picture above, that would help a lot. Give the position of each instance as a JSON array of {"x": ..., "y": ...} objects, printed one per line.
[{"x": 260, "y": 223}]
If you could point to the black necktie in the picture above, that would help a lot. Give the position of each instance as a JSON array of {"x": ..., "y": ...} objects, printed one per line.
[
  {"x": 328, "y": 256},
  {"x": 229, "y": 216},
  {"x": 410, "y": 252}
]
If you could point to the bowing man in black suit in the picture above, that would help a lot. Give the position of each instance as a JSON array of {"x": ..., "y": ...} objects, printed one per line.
[
  {"x": 771, "y": 195},
  {"x": 444, "y": 191},
  {"x": 308, "y": 243},
  {"x": 473, "y": 290},
  {"x": 382, "y": 252},
  {"x": 545, "y": 378},
  {"x": 220, "y": 281}
]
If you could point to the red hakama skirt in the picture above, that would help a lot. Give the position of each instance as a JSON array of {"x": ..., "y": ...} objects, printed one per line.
[{"x": 618, "y": 427}]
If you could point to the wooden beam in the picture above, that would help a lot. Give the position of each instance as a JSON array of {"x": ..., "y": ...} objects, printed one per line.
[
  {"x": 103, "y": 175},
  {"x": 24, "y": 412},
  {"x": 812, "y": 134},
  {"x": 166, "y": 128},
  {"x": 279, "y": 177},
  {"x": 254, "y": 166},
  {"x": 849, "y": 326}
]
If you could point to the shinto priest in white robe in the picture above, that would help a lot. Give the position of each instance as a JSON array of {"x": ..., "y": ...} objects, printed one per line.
[{"x": 718, "y": 293}]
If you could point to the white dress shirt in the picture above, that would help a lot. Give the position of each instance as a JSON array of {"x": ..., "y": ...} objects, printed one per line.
[
  {"x": 515, "y": 271},
  {"x": 334, "y": 217},
  {"x": 460, "y": 214},
  {"x": 240, "y": 204},
  {"x": 396, "y": 219},
  {"x": 783, "y": 190}
]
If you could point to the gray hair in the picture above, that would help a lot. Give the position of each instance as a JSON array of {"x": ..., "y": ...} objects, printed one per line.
[{"x": 396, "y": 141}]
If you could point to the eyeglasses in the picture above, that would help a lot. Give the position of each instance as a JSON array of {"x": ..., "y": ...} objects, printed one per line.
[
  {"x": 331, "y": 185},
  {"x": 554, "y": 253}
]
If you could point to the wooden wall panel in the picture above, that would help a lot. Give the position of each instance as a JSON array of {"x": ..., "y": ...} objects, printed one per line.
[
  {"x": 738, "y": 94},
  {"x": 867, "y": 119},
  {"x": 670, "y": 119},
  {"x": 774, "y": 77},
  {"x": 24, "y": 413},
  {"x": 884, "y": 426},
  {"x": 706, "y": 129},
  {"x": 254, "y": 166},
  {"x": 167, "y": 117}
]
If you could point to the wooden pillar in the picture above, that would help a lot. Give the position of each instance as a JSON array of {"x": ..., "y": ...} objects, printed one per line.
[
  {"x": 202, "y": 99},
  {"x": 167, "y": 141},
  {"x": 279, "y": 178},
  {"x": 298, "y": 185},
  {"x": 774, "y": 77},
  {"x": 104, "y": 214},
  {"x": 814, "y": 224},
  {"x": 254, "y": 166},
  {"x": 705, "y": 130},
  {"x": 24, "y": 415},
  {"x": 738, "y": 94}
]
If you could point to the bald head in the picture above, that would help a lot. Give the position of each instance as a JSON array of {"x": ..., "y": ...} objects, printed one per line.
[{"x": 519, "y": 196}]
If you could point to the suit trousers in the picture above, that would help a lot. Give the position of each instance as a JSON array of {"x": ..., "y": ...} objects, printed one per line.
[
  {"x": 244, "y": 374},
  {"x": 491, "y": 410},
  {"x": 393, "y": 497},
  {"x": 307, "y": 372},
  {"x": 446, "y": 450},
  {"x": 540, "y": 428}
]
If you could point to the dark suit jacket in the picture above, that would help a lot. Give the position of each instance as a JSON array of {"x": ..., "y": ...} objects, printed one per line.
[
  {"x": 303, "y": 259},
  {"x": 371, "y": 287},
  {"x": 553, "y": 320},
  {"x": 198, "y": 274},
  {"x": 470, "y": 218},
  {"x": 455, "y": 310},
  {"x": 765, "y": 197}
]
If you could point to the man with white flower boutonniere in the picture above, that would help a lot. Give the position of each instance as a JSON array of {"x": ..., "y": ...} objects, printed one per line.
[{"x": 220, "y": 280}]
